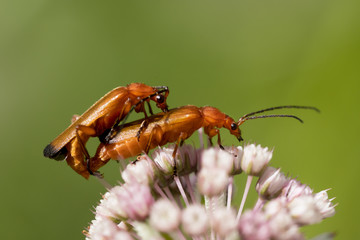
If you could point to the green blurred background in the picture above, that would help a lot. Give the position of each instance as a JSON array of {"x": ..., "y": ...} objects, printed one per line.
[{"x": 59, "y": 57}]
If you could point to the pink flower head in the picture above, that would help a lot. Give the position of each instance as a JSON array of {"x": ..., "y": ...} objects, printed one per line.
[
  {"x": 325, "y": 206},
  {"x": 165, "y": 216},
  {"x": 217, "y": 158},
  {"x": 271, "y": 183},
  {"x": 212, "y": 181},
  {"x": 195, "y": 220},
  {"x": 141, "y": 171},
  {"x": 255, "y": 159},
  {"x": 304, "y": 211},
  {"x": 237, "y": 153},
  {"x": 295, "y": 189},
  {"x": 219, "y": 225},
  {"x": 106, "y": 229},
  {"x": 110, "y": 205},
  {"x": 253, "y": 225},
  {"x": 136, "y": 200}
]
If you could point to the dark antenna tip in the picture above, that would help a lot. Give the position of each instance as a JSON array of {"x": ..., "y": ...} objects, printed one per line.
[
  {"x": 243, "y": 119},
  {"x": 281, "y": 107}
]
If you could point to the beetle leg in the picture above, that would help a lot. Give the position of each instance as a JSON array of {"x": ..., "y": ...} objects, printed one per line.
[
  {"x": 179, "y": 142},
  {"x": 98, "y": 160},
  {"x": 87, "y": 131},
  {"x": 113, "y": 131},
  {"x": 77, "y": 164},
  {"x": 212, "y": 132},
  {"x": 142, "y": 128},
  {"x": 155, "y": 137},
  {"x": 76, "y": 152},
  {"x": 144, "y": 123},
  {"x": 150, "y": 109},
  {"x": 219, "y": 140}
]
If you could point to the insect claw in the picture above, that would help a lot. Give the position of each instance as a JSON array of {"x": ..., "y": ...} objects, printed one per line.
[
  {"x": 98, "y": 175},
  {"x": 175, "y": 172}
]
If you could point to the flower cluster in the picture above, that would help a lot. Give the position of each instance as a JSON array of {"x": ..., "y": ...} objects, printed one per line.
[{"x": 190, "y": 197}]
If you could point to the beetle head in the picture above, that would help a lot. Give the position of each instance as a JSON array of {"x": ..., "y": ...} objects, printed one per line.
[{"x": 233, "y": 127}]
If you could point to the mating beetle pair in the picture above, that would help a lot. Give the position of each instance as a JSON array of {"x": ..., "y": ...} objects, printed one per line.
[{"x": 105, "y": 119}]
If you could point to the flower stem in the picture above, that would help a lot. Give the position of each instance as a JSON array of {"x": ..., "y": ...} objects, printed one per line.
[
  {"x": 229, "y": 191},
  {"x": 190, "y": 189},
  {"x": 246, "y": 191},
  {"x": 181, "y": 189}
]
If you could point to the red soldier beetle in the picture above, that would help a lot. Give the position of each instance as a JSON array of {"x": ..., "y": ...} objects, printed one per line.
[
  {"x": 104, "y": 115},
  {"x": 175, "y": 125}
]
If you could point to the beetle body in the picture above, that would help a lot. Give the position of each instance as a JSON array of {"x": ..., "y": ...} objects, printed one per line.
[
  {"x": 173, "y": 126},
  {"x": 101, "y": 116}
]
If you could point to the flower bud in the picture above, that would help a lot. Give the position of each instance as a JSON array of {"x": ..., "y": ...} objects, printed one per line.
[
  {"x": 195, "y": 220},
  {"x": 304, "y": 211},
  {"x": 217, "y": 158},
  {"x": 219, "y": 225},
  {"x": 237, "y": 153},
  {"x": 274, "y": 206},
  {"x": 106, "y": 229},
  {"x": 141, "y": 171},
  {"x": 136, "y": 200},
  {"x": 212, "y": 181},
  {"x": 271, "y": 183},
  {"x": 325, "y": 206},
  {"x": 255, "y": 159},
  {"x": 295, "y": 189},
  {"x": 254, "y": 225},
  {"x": 189, "y": 158},
  {"x": 165, "y": 216},
  {"x": 164, "y": 161},
  {"x": 110, "y": 205}
]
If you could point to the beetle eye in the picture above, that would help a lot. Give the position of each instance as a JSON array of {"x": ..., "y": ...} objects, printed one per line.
[
  {"x": 160, "y": 98},
  {"x": 234, "y": 126}
]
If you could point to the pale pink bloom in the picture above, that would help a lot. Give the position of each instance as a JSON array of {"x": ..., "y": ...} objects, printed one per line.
[
  {"x": 186, "y": 160},
  {"x": 165, "y": 216},
  {"x": 304, "y": 211},
  {"x": 271, "y": 183},
  {"x": 253, "y": 225},
  {"x": 141, "y": 171},
  {"x": 164, "y": 161},
  {"x": 255, "y": 159},
  {"x": 136, "y": 200},
  {"x": 223, "y": 221},
  {"x": 290, "y": 233},
  {"x": 217, "y": 158},
  {"x": 105, "y": 229},
  {"x": 274, "y": 206},
  {"x": 325, "y": 206},
  {"x": 212, "y": 181},
  {"x": 237, "y": 153},
  {"x": 283, "y": 226},
  {"x": 110, "y": 205},
  {"x": 195, "y": 220},
  {"x": 130, "y": 211},
  {"x": 295, "y": 189},
  {"x": 189, "y": 158}
]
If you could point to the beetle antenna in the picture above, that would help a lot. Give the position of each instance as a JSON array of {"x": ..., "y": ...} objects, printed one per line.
[
  {"x": 245, "y": 118},
  {"x": 280, "y": 107}
]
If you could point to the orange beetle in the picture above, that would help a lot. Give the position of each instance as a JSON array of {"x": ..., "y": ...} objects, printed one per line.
[
  {"x": 175, "y": 125},
  {"x": 105, "y": 114}
]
